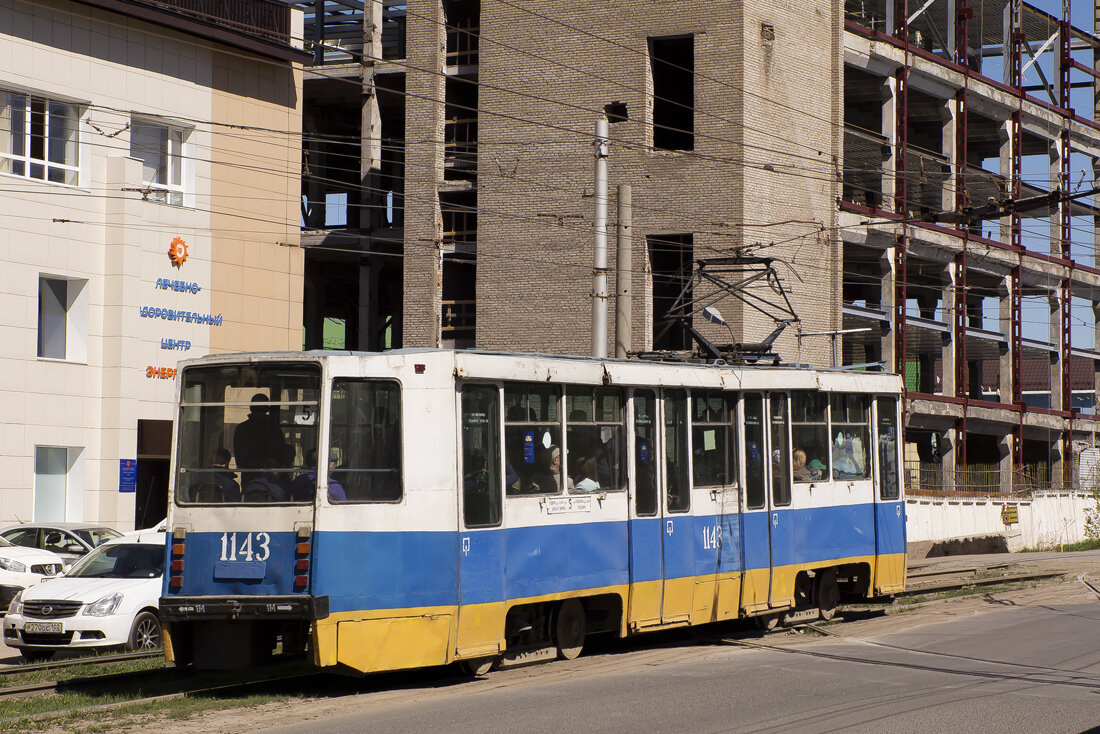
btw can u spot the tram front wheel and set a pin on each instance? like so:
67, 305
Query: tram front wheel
570, 629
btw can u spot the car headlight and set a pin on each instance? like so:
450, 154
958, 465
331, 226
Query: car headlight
105, 606
16, 605
11, 565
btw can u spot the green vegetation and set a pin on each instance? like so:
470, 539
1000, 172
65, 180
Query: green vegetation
1092, 519
122, 717
186, 694
89, 670
1091, 544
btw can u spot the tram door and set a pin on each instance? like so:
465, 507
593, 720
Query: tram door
678, 524
767, 526
480, 551
889, 505
781, 525
661, 582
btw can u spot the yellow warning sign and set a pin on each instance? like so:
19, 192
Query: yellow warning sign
1009, 515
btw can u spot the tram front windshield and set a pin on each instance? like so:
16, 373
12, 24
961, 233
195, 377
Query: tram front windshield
248, 434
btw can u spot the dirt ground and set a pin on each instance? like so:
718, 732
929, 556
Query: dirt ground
1079, 567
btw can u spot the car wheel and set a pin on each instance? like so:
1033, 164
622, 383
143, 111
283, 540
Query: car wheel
145, 634
34, 656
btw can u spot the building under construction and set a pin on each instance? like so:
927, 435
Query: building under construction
921, 176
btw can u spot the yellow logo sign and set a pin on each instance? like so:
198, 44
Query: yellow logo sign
177, 252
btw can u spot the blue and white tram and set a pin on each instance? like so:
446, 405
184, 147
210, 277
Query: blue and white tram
470, 506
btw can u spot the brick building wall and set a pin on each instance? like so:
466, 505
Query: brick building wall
757, 161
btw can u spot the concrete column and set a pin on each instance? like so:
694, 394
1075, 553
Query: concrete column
890, 132
370, 130
948, 350
888, 349
1005, 450
1096, 363
1004, 313
948, 451
368, 305
947, 145
424, 121
1005, 136
1054, 152
1055, 301
315, 194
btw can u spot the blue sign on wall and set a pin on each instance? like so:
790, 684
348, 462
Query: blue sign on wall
127, 475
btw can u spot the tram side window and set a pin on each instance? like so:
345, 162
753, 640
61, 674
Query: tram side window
713, 440
481, 503
677, 488
850, 430
810, 433
595, 438
645, 470
365, 442
753, 409
888, 448
781, 451
532, 439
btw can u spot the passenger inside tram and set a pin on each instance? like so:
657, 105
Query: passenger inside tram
586, 479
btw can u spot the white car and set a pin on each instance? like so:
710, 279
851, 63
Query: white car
109, 598
22, 567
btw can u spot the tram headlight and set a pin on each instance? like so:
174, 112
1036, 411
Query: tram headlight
16, 605
105, 606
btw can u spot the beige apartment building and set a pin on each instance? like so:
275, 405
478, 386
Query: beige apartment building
149, 158
922, 173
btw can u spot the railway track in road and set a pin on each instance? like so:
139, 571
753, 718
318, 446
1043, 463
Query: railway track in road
163, 684
174, 683
21, 668
973, 577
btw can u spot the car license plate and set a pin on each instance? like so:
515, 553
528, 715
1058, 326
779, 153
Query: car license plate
43, 628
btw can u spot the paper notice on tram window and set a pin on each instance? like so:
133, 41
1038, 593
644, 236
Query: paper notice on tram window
559, 505
708, 440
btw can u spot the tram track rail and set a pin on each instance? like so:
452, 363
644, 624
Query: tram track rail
108, 685
21, 668
975, 581
167, 684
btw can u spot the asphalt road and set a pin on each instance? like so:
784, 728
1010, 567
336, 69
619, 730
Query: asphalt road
1017, 669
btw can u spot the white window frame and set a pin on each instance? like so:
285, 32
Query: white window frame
74, 485
75, 308
176, 142
10, 160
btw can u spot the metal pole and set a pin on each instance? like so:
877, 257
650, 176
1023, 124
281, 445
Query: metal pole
623, 275
599, 272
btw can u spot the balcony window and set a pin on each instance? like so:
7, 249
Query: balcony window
160, 150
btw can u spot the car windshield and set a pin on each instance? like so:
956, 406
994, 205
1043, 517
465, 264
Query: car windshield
4, 543
97, 536
131, 561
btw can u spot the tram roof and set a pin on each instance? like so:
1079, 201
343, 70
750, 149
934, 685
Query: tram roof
623, 369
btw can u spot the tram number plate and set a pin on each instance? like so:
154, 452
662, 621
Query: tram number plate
44, 628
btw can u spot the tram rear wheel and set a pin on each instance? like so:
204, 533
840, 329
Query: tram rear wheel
477, 667
570, 629
826, 593
767, 622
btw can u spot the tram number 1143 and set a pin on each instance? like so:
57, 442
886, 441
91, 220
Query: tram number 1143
247, 550
712, 537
